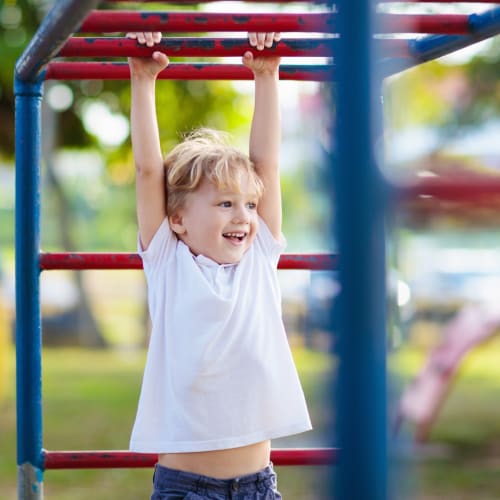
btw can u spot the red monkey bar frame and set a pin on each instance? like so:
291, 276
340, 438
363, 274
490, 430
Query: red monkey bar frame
187, 22
126, 459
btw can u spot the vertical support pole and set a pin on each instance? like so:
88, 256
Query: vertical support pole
361, 384
28, 97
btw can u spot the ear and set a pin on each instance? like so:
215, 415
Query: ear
176, 225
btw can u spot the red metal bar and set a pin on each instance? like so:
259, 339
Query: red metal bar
444, 24
324, 22
168, 22
191, 2
120, 71
63, 260
127, 459
214, 47
196, 2
193, 47
391, 1
466, 189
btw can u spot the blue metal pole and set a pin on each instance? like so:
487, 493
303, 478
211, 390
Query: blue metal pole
28, 97
361, 413
63, 19
427, 48
58, 25
484, 25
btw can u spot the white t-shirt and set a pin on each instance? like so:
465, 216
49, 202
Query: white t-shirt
219, 372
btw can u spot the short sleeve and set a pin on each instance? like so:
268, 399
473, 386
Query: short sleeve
271, 247
160, 248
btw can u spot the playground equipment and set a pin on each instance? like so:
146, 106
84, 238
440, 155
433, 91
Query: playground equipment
361, 197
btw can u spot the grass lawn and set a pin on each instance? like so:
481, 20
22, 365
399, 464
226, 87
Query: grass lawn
461, 460
90, 399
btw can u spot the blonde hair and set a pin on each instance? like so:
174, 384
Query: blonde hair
205, 154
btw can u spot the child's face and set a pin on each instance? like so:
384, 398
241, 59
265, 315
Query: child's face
219, 224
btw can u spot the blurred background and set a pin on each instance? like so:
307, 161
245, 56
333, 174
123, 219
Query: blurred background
442, 119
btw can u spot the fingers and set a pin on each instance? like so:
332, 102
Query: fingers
247, 59
146, 38
160, 58
263, 40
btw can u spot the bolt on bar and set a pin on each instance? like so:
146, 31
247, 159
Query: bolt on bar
59, 24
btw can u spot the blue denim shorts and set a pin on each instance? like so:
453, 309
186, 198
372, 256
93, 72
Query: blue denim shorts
170, 484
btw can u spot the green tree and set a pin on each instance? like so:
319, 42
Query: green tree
182, 106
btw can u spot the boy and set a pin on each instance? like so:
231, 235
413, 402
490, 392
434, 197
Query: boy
219, 381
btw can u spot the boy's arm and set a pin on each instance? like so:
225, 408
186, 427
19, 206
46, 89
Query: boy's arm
265, 135
150, 184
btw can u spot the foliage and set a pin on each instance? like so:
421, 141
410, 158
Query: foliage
186, 104
440, 94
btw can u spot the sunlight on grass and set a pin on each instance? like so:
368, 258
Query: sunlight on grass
90, 399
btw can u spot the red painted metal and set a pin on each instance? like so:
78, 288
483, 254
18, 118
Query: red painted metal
63, 260
321, 2
445, 24
464, 189
127, 459
215, 47
197, 2
120, 71
81, 260
168, 22
399, 1
323, 22
189, 47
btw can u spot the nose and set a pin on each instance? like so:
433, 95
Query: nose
240, 215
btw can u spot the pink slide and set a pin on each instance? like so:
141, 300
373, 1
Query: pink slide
423, 398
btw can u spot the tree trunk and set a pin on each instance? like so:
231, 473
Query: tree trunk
86, 331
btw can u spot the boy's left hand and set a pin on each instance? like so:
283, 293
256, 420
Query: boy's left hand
260, 41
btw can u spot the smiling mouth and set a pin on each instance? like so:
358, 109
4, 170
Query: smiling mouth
239, 237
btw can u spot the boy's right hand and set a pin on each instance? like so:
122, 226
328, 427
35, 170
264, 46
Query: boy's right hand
143, 66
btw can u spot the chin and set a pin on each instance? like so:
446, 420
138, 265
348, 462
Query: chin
233, 260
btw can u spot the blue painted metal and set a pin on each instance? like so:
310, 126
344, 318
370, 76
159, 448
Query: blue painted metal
28, 96
58, 25
361, 413
56, 28
483, 26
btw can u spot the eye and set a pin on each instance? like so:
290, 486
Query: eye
252, 205
225, 204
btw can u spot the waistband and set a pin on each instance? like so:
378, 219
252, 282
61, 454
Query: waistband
165, 477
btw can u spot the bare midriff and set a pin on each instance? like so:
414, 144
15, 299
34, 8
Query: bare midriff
221, 464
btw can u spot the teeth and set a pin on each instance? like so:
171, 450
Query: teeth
234, 235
